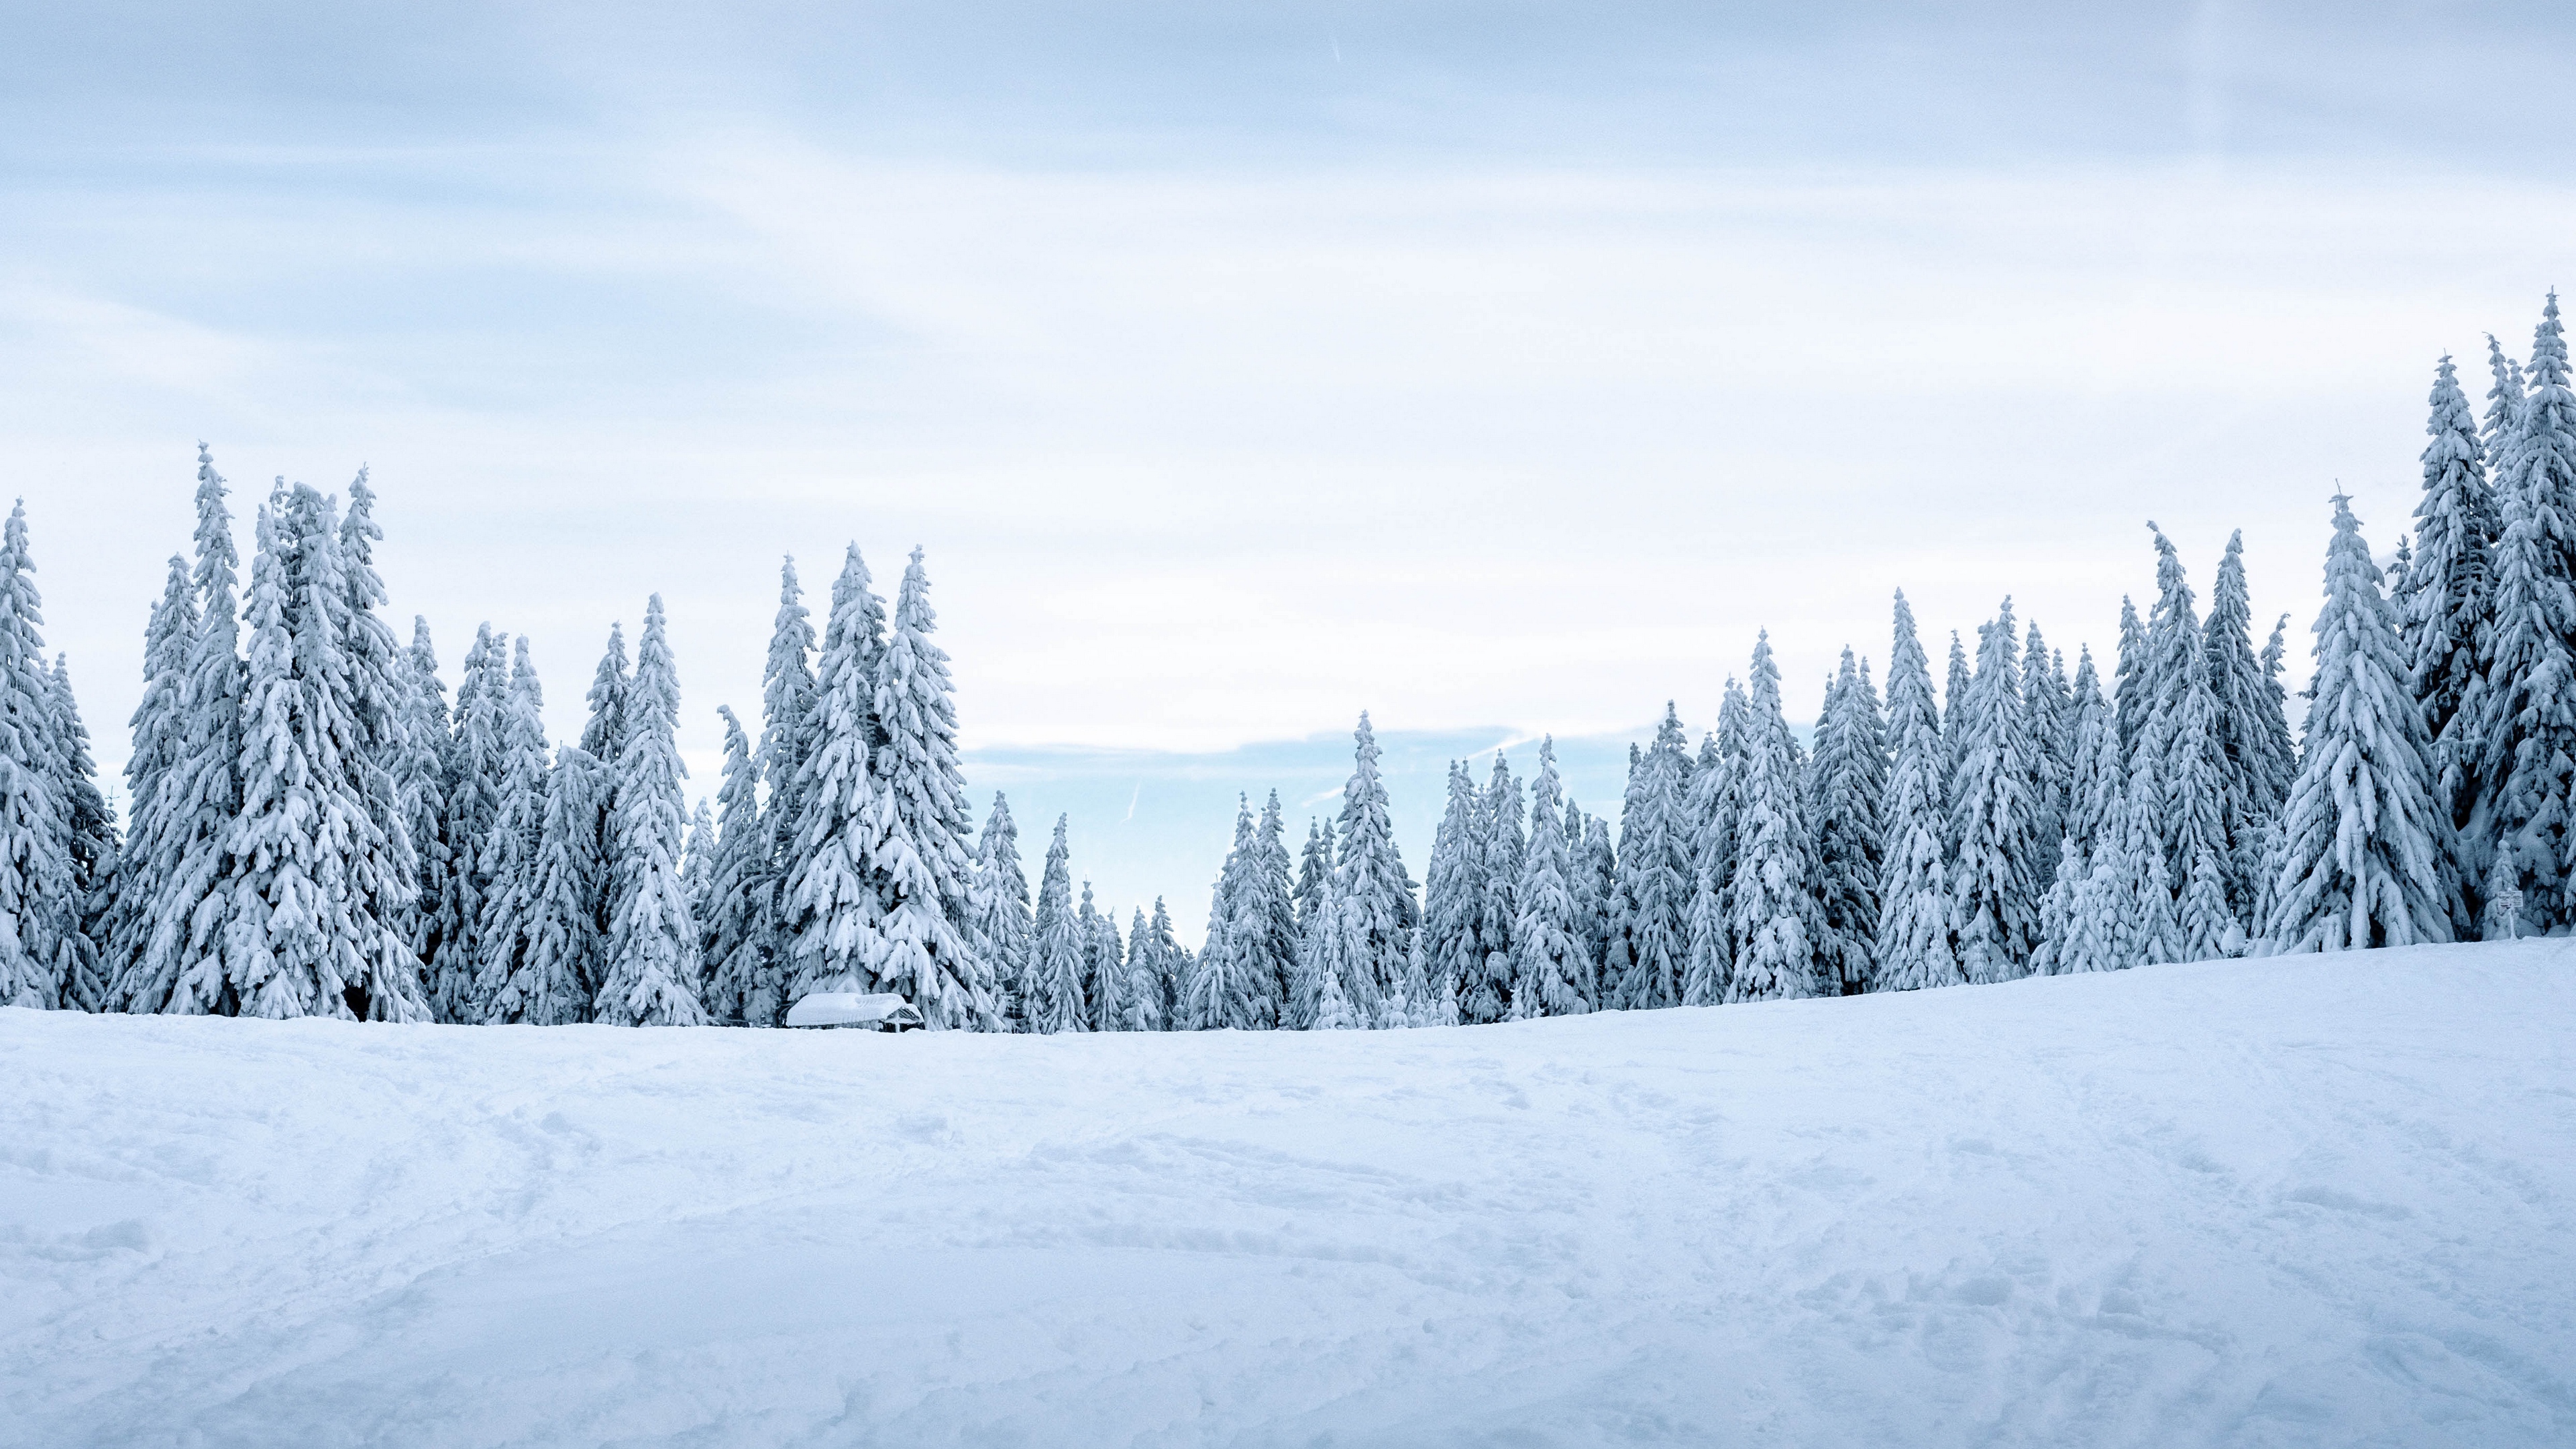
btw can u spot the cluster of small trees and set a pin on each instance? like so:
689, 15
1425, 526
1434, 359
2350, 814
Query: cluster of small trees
314, 830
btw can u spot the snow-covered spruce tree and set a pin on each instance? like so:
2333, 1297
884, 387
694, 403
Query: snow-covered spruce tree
1171, 964
1213, 996
2364, 837
2193, 818
921, 850
1712, 808
2098, 774
2450, 592
180, 969
2254, 743
510, 847
1997, 900
160, 725
2133, 694
832, 903
1453, 905
307, 867
1053, 1000
1917, 913
1551, 972
421, 780
603, 734
2504, 413
1848, 783
82, 981
1314, 863
652, 971
1597, 898
2529, 727
1104, 967
559, 973
1333, 1010
1954, 712
380, 687
36, 912
790, 724
743, 985
1273, 918
477, 780
1505, 849
1005, 929
1656, 874
1376, 899
1141, 996
2044, 709
1772, 901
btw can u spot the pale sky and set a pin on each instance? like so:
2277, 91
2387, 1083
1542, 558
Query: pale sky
1496, 368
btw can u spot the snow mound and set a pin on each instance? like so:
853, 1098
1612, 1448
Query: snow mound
2298, 1201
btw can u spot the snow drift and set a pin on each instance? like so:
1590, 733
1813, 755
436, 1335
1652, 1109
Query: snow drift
2297, 1201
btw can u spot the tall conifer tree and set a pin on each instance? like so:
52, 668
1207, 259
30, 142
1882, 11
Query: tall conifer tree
921, 847
652, 971
1917, 911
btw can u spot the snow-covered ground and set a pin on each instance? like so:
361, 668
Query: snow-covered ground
2308, 1201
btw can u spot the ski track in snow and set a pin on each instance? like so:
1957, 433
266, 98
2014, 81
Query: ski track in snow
2308, 1201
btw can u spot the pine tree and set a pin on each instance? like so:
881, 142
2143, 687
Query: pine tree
1772, 903
160, 725
1656, 874
1375, 899
2450, 591
507, 926
1005, 930
2254, 743
181, 969
1142, 994
743, 982
921, 845
652, 971
2044, 726
1452, 910
1954, 711
1171, 966
379, 686
1998, 902
559, 974
1504, 852
2504, 414
2365, 846
309, 870
1104, 970
833, 907
1712, 809
603, 737
421, 779
2529, 728
90, 838
2133, 694
38, 918
1551, 970
1272, 918
1596, 894
477, 783
1053, 1002
1917, 912
1850, 791
1314, 864
1333, 1010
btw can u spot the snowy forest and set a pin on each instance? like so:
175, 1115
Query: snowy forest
316, 827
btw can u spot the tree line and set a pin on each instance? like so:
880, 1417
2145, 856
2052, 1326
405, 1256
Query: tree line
316, 829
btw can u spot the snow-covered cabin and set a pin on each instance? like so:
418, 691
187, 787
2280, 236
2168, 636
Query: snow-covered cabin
879, 1011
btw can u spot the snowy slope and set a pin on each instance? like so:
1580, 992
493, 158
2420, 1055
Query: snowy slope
2310, 1201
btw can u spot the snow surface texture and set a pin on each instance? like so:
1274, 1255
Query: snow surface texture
2317, 1200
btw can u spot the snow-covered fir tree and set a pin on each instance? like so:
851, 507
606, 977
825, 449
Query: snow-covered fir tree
82, 982
2132, 687
477, 781
511, 846
1954, 710
152, 830
2364, 848
1656, 874
180, 969
1917, 920
2527, 772
380, 688
1052, 1000
1171, 965
2450, 589
1374, 896
1551, 970
603, 734
652, 970
921, 850
743, 983
1005, 928
1333, 1010
558, 975
1772, 902
832, 904
1104, 967
37, 917
1453, 905
307, 868
1141, 996
1504, 849
790, 725
1711, 808
1314, 864
1272, 914
1997, 898
2044, 727
428, 741
2255, 749
1849, 789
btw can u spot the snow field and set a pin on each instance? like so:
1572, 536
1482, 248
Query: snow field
2299, 1201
